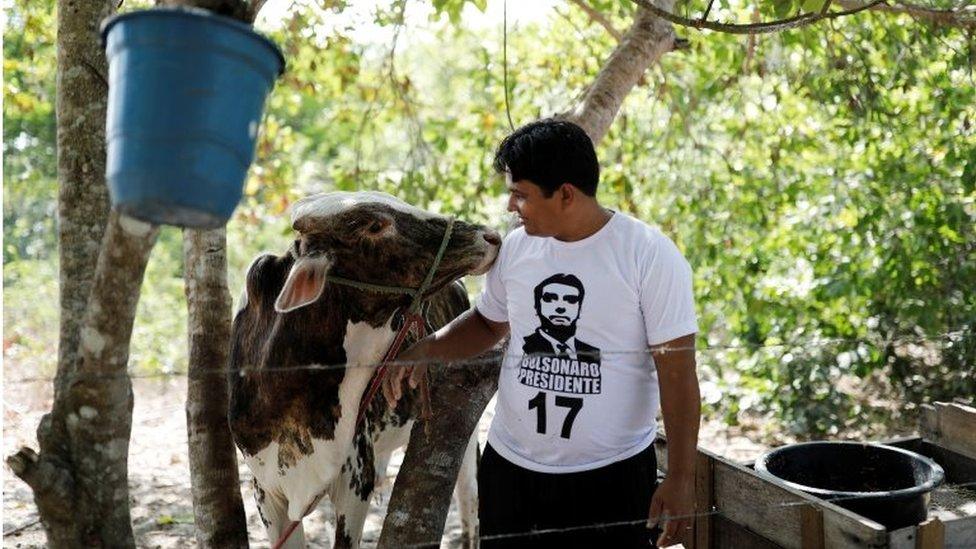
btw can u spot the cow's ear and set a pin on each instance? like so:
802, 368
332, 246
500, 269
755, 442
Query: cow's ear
305, 283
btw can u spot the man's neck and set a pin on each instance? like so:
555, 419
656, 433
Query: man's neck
585, 224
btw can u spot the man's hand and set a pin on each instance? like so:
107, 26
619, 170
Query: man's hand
464, 337
393, 384
675, 497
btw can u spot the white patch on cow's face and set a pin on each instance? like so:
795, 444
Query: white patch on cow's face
331, 204
301, 482
490, 250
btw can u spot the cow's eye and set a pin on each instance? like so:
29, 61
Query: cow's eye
376, 227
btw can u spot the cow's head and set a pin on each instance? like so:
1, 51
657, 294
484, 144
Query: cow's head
378, 239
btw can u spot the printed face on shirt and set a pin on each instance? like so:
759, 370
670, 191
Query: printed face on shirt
558, 301
560, 304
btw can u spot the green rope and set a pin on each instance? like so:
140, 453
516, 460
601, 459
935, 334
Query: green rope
415, 306
418, 293
371, 287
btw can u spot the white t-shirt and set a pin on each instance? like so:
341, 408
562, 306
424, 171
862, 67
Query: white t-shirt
578, 389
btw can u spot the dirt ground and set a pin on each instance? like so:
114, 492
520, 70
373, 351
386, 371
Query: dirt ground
159, 474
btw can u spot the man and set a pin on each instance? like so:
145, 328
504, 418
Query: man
569, 460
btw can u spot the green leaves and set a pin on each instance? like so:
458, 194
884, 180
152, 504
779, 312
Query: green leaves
821, 181
29, 159
454, 8
784, 8
812, 6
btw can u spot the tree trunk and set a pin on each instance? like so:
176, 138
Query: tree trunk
218, 511
436, 449
643, 45
422, 493
83, 204
80, 478
217, 507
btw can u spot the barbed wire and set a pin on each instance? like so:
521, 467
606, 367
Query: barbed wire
954, 336
601, 525
689, 516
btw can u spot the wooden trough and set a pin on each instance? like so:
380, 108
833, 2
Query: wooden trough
750, 511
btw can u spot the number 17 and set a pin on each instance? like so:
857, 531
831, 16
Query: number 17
538, 402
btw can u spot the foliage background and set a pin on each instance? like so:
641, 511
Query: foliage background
822, 183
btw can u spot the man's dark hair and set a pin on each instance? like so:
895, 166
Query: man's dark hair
564, 279
549, 153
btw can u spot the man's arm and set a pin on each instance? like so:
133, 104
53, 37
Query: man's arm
681, 407
464, 337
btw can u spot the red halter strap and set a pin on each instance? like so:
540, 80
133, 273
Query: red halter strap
411, 320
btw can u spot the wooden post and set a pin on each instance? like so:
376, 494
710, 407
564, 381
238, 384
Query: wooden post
931, 534
704, 503
811, 527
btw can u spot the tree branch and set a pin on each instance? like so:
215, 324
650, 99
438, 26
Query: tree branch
753, 28
599, 18
253, 9
645, 42
963, 16
54, 493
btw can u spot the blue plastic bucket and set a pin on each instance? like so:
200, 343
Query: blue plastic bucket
186, 93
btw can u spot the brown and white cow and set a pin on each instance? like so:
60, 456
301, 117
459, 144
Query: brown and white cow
292, 410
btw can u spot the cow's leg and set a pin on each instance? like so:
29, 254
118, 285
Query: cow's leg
351, 509
274, 514
351, 492
466, 493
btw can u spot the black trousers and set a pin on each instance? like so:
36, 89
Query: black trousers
516, 503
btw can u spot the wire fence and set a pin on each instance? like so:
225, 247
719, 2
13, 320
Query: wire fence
954, 488
684, 517
510, 360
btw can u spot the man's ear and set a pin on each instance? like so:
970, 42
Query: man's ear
567, 193
305, 283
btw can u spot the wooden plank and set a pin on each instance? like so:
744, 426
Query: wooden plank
757, 504
928, 421
957, 534
811, 527
952, 427
773, 511
903, 538
729, 535
843, 529
960, 533
704, 502
931, 535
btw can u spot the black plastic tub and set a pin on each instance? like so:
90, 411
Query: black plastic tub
886, 484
